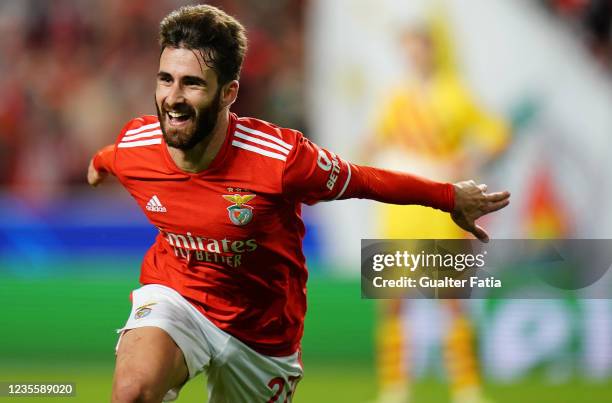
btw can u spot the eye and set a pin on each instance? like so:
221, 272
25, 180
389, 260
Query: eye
194, 83
164, 78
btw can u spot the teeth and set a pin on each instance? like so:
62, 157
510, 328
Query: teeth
176, 114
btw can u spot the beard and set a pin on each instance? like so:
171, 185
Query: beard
204, 121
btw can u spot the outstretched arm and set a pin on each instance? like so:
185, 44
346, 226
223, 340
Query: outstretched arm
313, 174
101, 165
466, 201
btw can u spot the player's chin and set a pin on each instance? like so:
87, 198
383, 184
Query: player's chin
179, 138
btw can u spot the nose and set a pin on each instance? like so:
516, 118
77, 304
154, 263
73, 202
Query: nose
175, 95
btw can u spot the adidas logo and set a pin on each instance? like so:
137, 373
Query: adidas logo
155, 205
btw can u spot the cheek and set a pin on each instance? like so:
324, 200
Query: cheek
161, 93
198, 102
158, 97
199, 99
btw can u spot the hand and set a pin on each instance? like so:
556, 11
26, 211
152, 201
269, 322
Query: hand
471, 203
95, 177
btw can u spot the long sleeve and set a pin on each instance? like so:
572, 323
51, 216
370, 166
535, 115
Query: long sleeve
395, 187
315, 174
104, 159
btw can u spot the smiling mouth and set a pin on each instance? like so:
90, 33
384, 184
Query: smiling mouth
178, 118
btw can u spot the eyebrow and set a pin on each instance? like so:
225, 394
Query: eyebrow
191, 79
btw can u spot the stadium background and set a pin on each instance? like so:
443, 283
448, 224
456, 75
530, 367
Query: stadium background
72, 72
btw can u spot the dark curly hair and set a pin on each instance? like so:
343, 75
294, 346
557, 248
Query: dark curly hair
219, 37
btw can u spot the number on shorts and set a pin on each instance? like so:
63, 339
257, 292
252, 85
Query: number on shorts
293, 381
280, 383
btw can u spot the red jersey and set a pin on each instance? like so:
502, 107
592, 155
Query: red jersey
230, 236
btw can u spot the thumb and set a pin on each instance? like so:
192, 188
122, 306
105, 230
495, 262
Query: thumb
480, 233
94, 177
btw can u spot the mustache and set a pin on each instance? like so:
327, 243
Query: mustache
179, 108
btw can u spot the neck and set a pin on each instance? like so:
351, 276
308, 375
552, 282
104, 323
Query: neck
202, 155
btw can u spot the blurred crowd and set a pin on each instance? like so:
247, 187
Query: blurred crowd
72, 73
592, 20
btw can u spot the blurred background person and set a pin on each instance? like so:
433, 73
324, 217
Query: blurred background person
431, 125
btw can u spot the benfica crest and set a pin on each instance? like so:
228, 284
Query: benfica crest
240, 213
143, 311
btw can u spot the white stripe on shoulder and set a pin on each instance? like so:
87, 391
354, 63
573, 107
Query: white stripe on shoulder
151, 133
348, 179
264, 135
261, 142
139, 143
258, 150
142, 128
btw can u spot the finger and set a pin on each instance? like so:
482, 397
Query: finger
94, 178
476, 230
480, 233
498, 196
94, 181
491, 207
91, 173
482, 187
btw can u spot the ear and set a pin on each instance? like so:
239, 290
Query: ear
229, 93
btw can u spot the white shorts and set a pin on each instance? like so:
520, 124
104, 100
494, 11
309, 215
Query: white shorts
236, 373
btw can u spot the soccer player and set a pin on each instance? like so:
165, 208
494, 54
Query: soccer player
432, 125
224, 285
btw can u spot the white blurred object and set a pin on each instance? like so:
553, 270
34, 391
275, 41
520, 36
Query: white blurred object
507, 50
